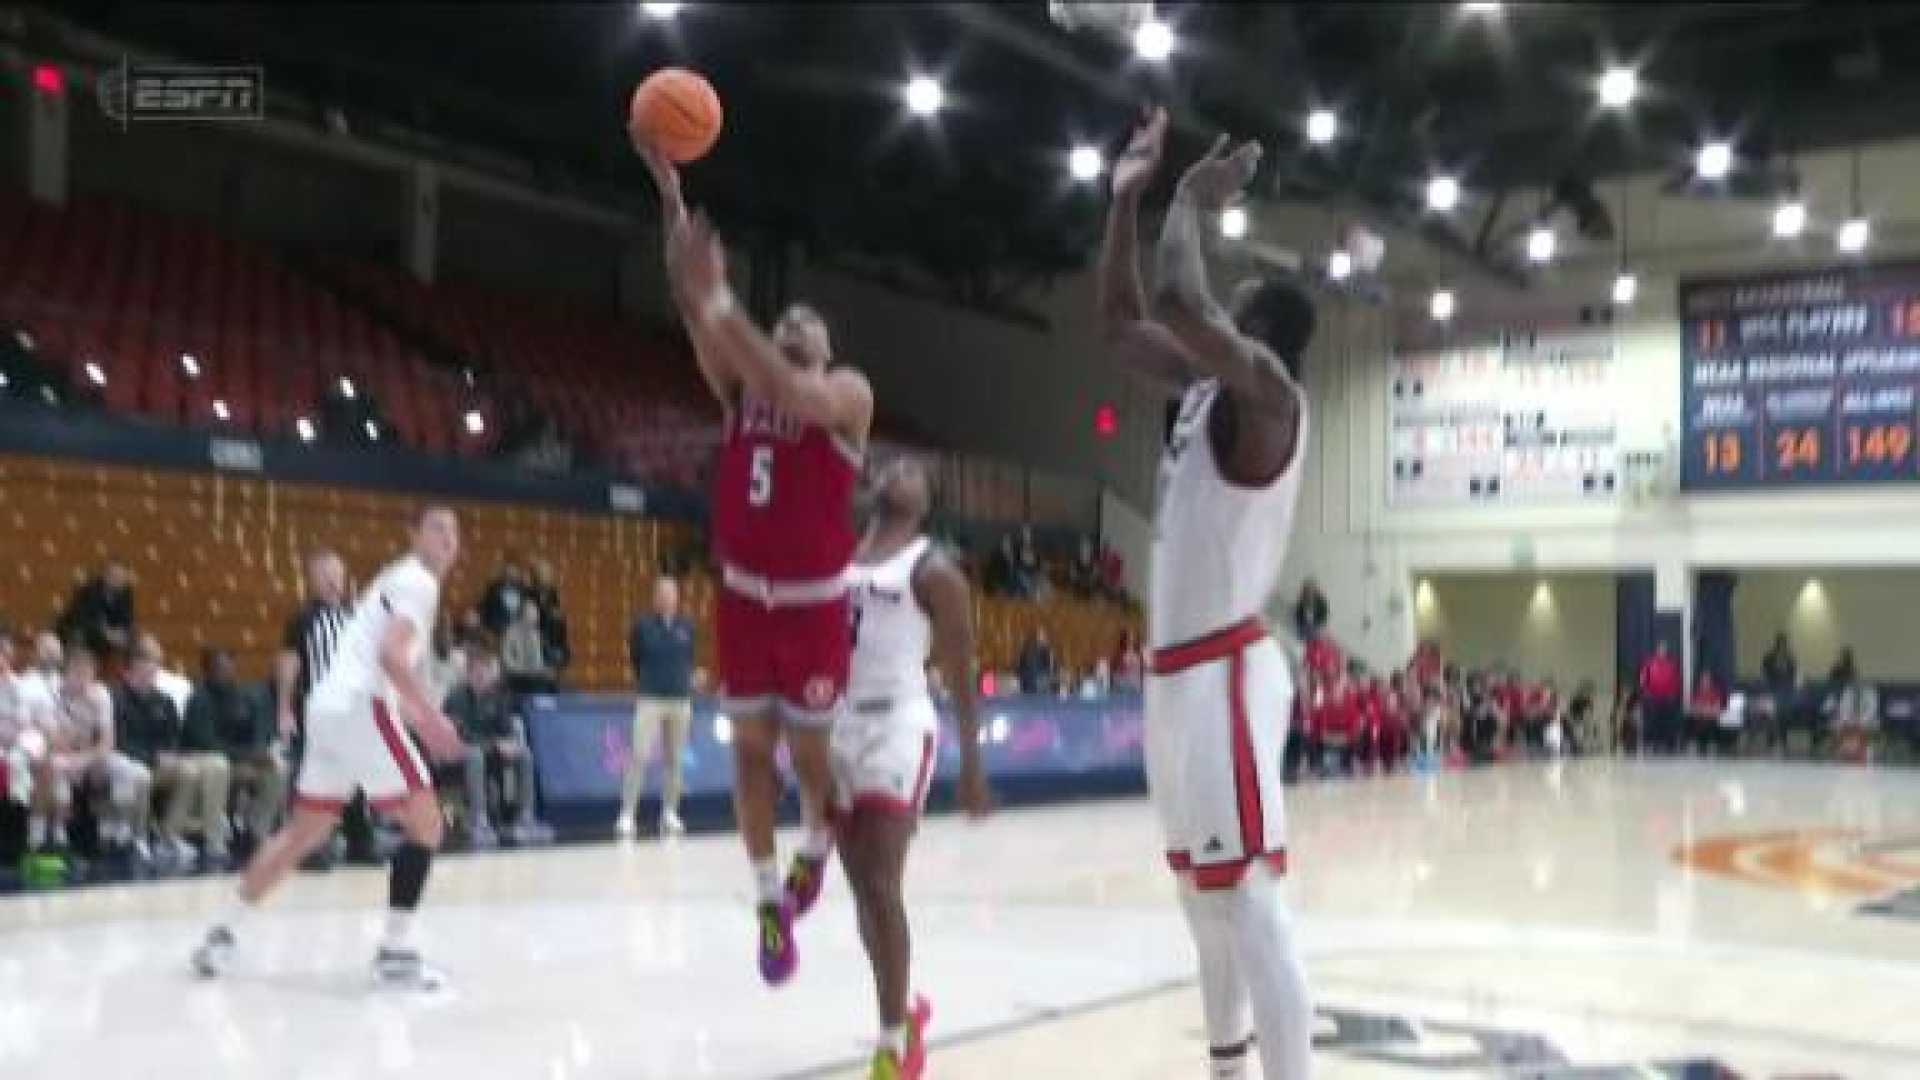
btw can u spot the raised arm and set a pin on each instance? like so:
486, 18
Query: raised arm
944, 592
673, 220
839, 399
1135, 339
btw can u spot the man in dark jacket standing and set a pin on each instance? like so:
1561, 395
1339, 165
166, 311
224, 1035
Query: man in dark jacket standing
661, 647
100, 613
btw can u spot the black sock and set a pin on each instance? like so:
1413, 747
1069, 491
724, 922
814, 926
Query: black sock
409, 876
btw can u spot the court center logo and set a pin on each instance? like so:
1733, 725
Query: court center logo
140, 92
1880, 872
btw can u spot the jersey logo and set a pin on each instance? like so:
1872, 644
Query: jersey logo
819, 692
386, 604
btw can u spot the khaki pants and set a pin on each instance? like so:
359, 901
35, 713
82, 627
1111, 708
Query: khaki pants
651, 718
264, 778
196, 786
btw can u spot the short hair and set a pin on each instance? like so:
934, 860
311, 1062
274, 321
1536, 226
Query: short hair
431, 509
1281, 315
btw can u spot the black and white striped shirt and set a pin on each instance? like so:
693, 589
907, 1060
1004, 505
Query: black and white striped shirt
313, 634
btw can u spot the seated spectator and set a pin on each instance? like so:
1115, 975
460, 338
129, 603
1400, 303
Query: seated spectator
1098, 682
1033, 576
505, 596
235, 723
1333, 722
83, 754
1310, 611
1369, 705
498, 760
100, 613
1129, 663
1539, 704
1003, 569
150, 732
1036, 664
1083, 574
42, 678
1483, 720
1113, 574
524, 654
1397, 712
22, 720
1704, 708
1579, 719
1427, 668
1855, 712
177, 687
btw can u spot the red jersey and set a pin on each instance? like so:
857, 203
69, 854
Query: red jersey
782, 499
1323, 657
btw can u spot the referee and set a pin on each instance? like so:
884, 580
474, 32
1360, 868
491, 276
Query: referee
305, 654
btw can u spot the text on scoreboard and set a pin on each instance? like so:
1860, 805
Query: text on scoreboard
1799, 380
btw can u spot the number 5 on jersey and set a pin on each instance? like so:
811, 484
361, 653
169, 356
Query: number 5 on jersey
760, 478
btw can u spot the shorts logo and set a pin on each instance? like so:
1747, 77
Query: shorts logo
819, 692
1213, 846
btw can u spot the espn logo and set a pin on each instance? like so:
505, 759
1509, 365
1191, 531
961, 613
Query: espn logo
182, 92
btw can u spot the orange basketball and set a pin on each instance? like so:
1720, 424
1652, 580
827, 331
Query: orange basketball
676, 111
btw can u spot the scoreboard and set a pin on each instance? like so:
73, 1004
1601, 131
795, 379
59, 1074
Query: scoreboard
1524, 418
1801, 380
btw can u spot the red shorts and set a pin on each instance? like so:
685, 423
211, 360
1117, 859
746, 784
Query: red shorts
795, 656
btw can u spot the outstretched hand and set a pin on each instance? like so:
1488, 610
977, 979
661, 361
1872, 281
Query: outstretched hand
666, 177
700, 258
1222, 173
1141, 159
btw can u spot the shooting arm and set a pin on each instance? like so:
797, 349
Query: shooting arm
1184, 303
1140, 343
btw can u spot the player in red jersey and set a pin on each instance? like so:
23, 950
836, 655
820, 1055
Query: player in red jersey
783, 536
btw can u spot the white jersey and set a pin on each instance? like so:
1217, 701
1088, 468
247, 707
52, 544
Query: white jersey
892, 635
405, 589
1217, 546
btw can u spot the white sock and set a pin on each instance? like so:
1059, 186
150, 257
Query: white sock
894, 1039
766, 880
818, 842
399, 933
236, 913
1276, 981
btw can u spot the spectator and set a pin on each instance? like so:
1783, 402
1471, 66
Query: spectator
545, 592
445, 664
1782, 672
21, 720
661, 647
100, 613
524, 654
42, 680
497, 757
1310, 611
1036, 663
1129, 663
1033, 577
1704, 710
1397, 712
1333, 721
234, 721
500, 607
1856, 711
26, 697
1660, 700
83, 752
1098, 682
1846, 671
177, 687
149, 728
1113, 574
1083, 574
1482, 720
1580, 716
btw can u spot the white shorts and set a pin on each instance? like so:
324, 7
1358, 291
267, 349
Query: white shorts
883, 760
359, 748
1217, 711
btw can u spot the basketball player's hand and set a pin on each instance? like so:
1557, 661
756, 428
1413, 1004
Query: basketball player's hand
1138, 162
701, 258
442, 738
1221, 174
666, 177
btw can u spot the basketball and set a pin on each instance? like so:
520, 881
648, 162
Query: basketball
676, 111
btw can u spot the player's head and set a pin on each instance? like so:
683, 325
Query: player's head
326, 576
436, 537
802, 335
1279, 314
904, 491
666, 596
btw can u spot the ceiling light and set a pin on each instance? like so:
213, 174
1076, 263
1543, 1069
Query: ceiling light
1154, 40
1853, 235
4, 381
1443, 193
1481, 8
660, 10
190, 365
1541, 243
1339, 266
304, 426
1625, 288
1233, 222
220, 410
924, 95
373, 430
346, 388
1085, 162
1441, 306
1322, 126
475, 422
94, 375
1714, 160
1789, 218
1618, 87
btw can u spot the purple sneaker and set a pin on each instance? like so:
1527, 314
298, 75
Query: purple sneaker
779, 956
805, 879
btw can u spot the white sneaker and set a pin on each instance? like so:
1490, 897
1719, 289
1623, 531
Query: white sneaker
623, 827
212, 957
671, 825
402, 969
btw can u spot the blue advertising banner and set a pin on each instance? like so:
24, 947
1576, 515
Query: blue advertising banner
581, 743
1801, 380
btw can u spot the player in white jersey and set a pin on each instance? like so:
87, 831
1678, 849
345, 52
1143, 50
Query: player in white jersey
1220, 692
355, 742
910, 602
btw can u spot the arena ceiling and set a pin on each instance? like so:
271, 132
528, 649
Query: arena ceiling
819, 148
